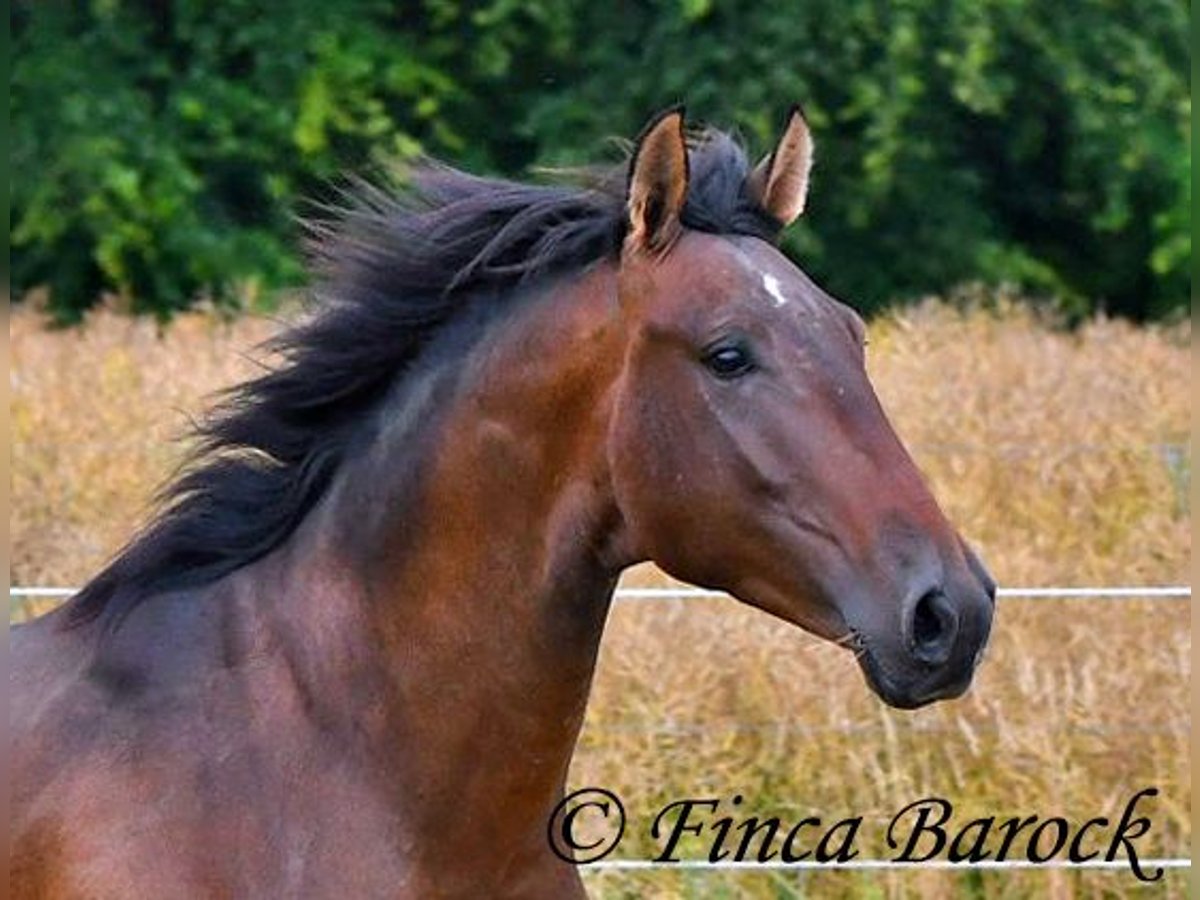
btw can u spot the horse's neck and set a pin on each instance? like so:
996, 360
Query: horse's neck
481, 584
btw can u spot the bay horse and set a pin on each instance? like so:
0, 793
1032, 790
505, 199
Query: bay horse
350, 656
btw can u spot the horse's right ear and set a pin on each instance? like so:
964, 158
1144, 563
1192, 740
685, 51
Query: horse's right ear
779, 183
658, 182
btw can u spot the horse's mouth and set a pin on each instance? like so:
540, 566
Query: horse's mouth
898, 694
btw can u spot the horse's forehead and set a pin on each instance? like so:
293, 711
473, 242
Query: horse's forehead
745, 269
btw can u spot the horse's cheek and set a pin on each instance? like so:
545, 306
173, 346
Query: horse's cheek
651, 482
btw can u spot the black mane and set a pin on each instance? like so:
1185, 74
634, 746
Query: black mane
391, 270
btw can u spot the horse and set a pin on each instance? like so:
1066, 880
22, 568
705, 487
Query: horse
351, 653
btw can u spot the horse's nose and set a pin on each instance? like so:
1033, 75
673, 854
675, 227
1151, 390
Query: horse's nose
931, 624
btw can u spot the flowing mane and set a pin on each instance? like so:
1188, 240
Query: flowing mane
391, 270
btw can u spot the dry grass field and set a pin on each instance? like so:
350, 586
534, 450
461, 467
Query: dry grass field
1060, 455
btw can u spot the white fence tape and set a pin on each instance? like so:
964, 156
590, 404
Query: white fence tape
1033, 593
1164, 592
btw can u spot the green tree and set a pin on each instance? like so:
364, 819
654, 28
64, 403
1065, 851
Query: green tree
161, 149
998, 140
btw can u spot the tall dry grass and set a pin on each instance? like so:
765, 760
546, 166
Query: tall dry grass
1057, 453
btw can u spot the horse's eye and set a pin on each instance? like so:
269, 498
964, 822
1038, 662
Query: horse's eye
729, 360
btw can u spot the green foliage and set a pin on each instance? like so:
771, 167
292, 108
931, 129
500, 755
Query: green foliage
1002, 140
165, 146
161, 150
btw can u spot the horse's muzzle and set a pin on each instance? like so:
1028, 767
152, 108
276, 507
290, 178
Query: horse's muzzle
942, 636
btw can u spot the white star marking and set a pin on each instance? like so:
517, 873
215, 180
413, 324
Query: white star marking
771, 283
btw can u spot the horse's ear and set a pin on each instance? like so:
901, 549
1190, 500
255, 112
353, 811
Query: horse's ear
780, 182
658, 182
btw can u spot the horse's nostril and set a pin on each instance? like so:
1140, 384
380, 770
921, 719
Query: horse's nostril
933, 627
927, 624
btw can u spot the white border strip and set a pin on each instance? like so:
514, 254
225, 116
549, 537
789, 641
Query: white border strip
641, 865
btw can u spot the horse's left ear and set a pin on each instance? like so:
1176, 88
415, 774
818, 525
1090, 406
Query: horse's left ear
780, 182
658, 182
